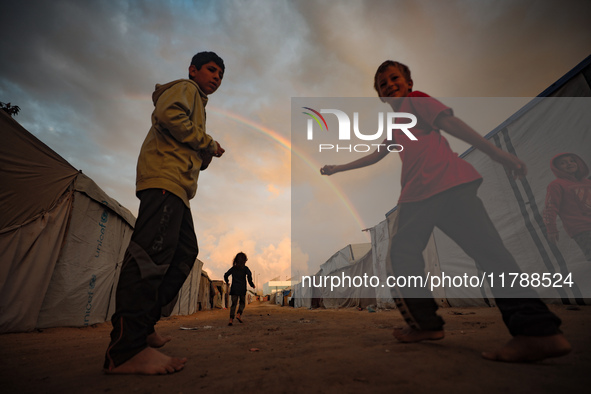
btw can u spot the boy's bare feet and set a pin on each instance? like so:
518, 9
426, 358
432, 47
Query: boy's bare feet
231, 321
149, 362
529, 349
238, 317
409, 334
156, 340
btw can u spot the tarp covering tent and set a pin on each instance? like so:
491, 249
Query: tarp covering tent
62, 239
187, 300
344, 257
205, 294
349, 256
353, 295
221, 296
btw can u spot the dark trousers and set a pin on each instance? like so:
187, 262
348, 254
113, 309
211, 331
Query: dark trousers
235, 299
160, 256
461, 215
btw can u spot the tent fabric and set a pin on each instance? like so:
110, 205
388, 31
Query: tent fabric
222, 295
83, 282
22, 176
351, 296
302, 296
204, 296
344, 257
186, 301
557, 121
62, 238
28, 257
341, 263
62, 241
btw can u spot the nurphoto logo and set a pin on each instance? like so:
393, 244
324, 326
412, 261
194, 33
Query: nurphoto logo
387, 122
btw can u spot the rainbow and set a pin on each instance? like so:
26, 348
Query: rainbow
286, 144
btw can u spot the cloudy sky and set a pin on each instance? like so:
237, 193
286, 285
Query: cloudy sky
83, 74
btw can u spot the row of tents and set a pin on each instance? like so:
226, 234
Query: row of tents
62, 241
558, 120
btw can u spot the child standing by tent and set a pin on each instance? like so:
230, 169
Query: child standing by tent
240, 273
163, 246
569, 196
439, 189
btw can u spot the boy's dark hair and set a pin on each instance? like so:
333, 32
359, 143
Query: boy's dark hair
202, 58
403, 68
240, 260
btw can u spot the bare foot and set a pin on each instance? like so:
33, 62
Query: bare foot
149, 362
409, 334
238, 317
156, 340
529, 349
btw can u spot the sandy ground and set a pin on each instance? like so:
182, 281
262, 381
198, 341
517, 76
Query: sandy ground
287, 350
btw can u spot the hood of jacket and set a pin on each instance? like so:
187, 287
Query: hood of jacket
159, 89
582, 169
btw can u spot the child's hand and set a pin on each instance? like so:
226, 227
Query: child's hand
328, 169
512, 163
220, 151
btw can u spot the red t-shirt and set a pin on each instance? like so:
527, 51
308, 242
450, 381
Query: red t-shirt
429, 166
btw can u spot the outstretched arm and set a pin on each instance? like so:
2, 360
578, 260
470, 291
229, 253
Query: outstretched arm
365, 161
456, 127
249, 277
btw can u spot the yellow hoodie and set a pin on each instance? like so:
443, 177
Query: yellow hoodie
170, 157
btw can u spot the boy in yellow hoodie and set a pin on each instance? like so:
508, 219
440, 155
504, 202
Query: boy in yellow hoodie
163, 246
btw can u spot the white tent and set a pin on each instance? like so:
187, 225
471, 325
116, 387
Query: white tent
352, 260
187, 300
62, 240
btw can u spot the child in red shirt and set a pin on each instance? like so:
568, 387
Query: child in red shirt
439, 189
569, 196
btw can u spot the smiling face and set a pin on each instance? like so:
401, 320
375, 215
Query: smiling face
567, 164
392, 83
208, 77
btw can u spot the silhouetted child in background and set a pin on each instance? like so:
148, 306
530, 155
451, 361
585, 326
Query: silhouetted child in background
439, 189
240, 274
569, 196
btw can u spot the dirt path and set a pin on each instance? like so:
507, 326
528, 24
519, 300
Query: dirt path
287, 350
